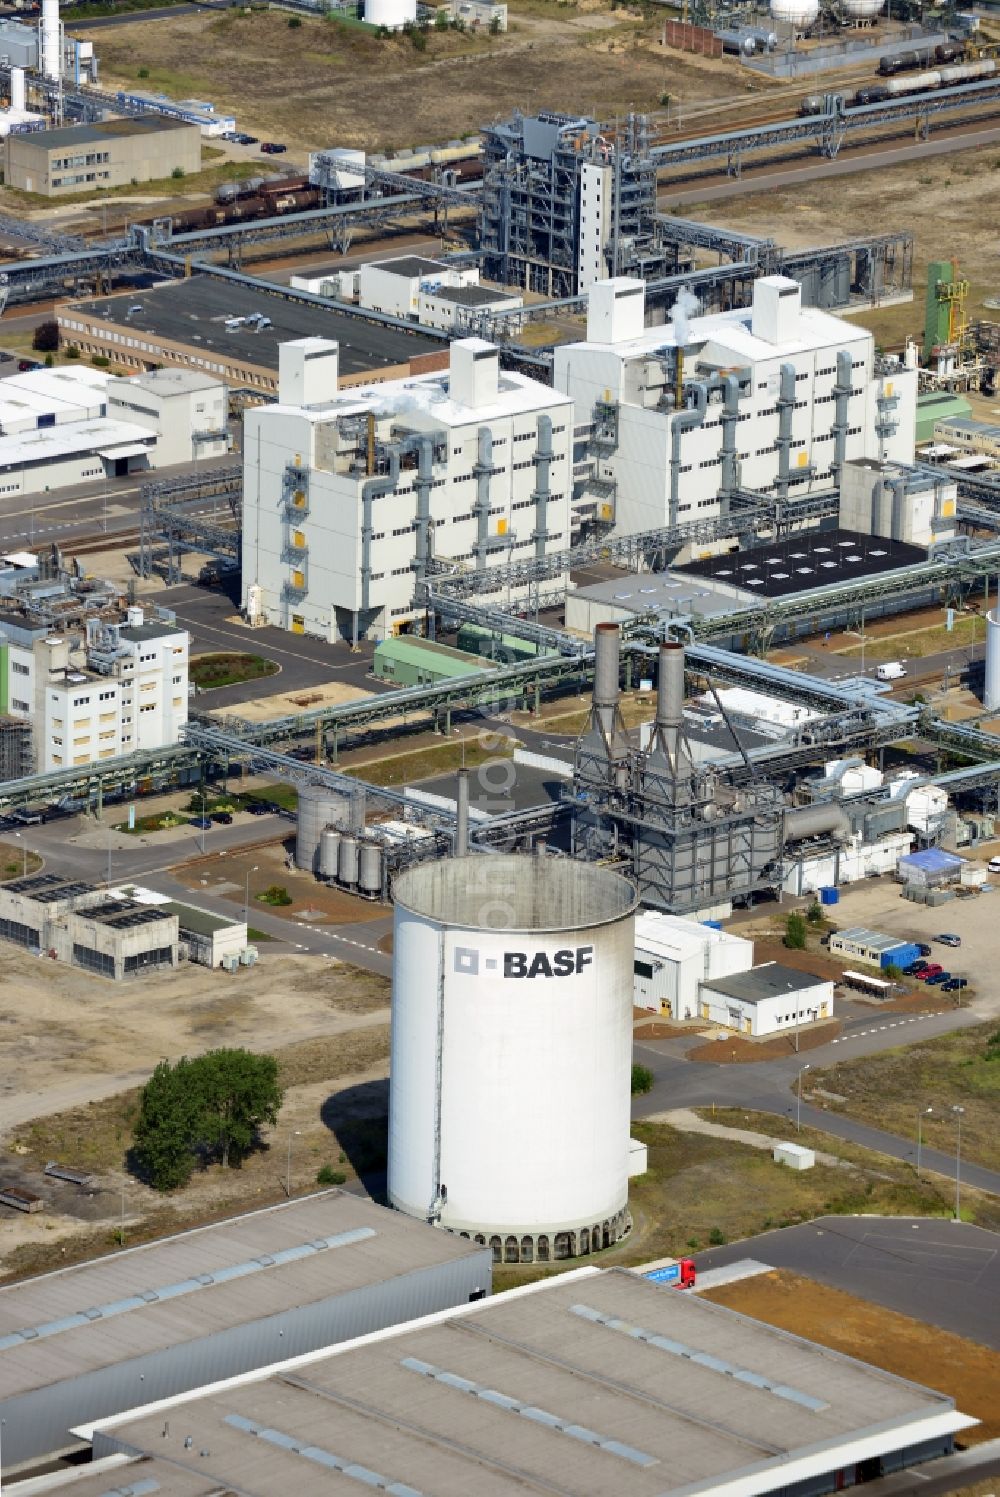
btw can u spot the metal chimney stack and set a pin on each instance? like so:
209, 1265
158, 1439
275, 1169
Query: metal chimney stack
668, 729
607, 664
462, 816
50, 58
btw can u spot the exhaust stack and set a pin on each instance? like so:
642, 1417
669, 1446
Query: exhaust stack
50, 51
605, 733
668, 742
462, 816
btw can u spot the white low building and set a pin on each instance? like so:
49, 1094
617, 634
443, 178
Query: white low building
121, 688
187, 410
905, 504
347, 496
60, 427
776, 398
847, 863
771, 999
394, 286
673, 955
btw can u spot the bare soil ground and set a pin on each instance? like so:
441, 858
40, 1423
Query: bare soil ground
736, 1047
945, 200
224, 875
327, 83
963, 1369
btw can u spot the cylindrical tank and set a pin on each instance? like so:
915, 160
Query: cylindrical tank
862, 10
329, 853
370, 869
991, 693
797, 13
318, 808
393, 14
347, 860
511, 1051
50, 58
17, 90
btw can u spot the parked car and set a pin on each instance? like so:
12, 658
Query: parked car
223, 818
273, 148
247, 140
201, 823
231, 135
955, 984
938, 979
923, 948
915, 968
27, 815
948, 939
993, 866
930, 970
261, 807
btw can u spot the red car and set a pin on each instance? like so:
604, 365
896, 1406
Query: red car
931, 970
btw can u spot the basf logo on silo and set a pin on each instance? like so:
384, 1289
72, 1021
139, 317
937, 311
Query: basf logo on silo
562, 963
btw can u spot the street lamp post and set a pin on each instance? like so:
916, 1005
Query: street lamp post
923, 1113
798, 1098
246, 893
288, 1163
24, 854
959, 1114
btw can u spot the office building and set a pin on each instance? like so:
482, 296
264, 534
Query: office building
110, 153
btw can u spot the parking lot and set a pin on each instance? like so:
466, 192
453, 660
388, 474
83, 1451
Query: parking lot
879, 905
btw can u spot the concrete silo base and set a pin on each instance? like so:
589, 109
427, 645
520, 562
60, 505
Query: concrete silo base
552, 1247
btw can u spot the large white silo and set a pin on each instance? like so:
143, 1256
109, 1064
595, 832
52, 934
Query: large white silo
51, 47
991, 689
392, 14
797, 14
511, 1052
862, 10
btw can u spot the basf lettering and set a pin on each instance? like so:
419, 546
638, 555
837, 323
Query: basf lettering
540, 964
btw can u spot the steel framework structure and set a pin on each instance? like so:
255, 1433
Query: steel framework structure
197, 512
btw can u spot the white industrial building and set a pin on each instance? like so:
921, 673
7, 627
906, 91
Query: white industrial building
674, 955
120, 688
847, 862
775, 398
432, 293
66, 426
905, 504
188, 411
394, 286
770, 999
348, 495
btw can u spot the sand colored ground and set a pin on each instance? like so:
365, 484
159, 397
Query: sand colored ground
963, 1369
287, 704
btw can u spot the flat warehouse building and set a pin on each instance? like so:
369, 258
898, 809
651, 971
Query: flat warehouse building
588, 1384
102, 1337
233, 332
111, 153
769, 999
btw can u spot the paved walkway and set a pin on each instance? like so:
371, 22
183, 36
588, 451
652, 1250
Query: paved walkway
689, 1122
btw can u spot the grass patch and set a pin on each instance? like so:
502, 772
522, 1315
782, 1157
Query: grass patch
285, 796
255, 936
199, 183
915, 644
229, 669
17, 861
889, 1089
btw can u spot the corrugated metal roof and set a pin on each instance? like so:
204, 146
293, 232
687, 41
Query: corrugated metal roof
430, 655
183, 1288
541, 1391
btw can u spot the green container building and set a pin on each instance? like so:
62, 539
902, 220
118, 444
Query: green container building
410, 661
938, 405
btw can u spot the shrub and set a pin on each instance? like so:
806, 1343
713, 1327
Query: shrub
814, 913
716, 1237
177, 173
143, 73
45, 338
327, 1175
294, 22
275, 894
99, 360
642, 1080
72, 352
795, 933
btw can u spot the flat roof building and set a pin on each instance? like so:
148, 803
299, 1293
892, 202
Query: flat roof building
233, 332
110, 153
152, 1321
589, 1383
766, 1000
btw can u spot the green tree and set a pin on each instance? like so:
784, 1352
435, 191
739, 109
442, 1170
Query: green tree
209, 1108
795, 932
642, 1080
238, 1094
163, 1142
814, 913
45, 338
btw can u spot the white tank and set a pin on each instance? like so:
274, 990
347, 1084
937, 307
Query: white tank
329, 853
370, 869
393, 14
50, 50
347, 861
18, 99
796, 13
318, 808
511, 1052
991, 692
862, 10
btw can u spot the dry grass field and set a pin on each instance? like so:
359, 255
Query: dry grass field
325, 82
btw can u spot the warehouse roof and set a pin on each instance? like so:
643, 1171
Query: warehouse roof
200, 922
184, 1288
804, 560
195, 312
107, 438
408, 265
589, 1383
772, 980
101, 132
473, 296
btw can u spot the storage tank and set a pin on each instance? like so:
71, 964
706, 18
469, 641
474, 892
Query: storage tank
511, 1052
991, 691
347, 861
392, 14
862, 10
319, 807
329, 853
796, 13
370, 870
51, 48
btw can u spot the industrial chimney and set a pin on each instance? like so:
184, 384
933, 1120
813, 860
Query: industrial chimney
668, 744
50, 51
605, 732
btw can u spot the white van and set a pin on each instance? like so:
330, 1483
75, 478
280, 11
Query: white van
892, 670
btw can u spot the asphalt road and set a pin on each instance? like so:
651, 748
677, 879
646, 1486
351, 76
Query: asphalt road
945, 1273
